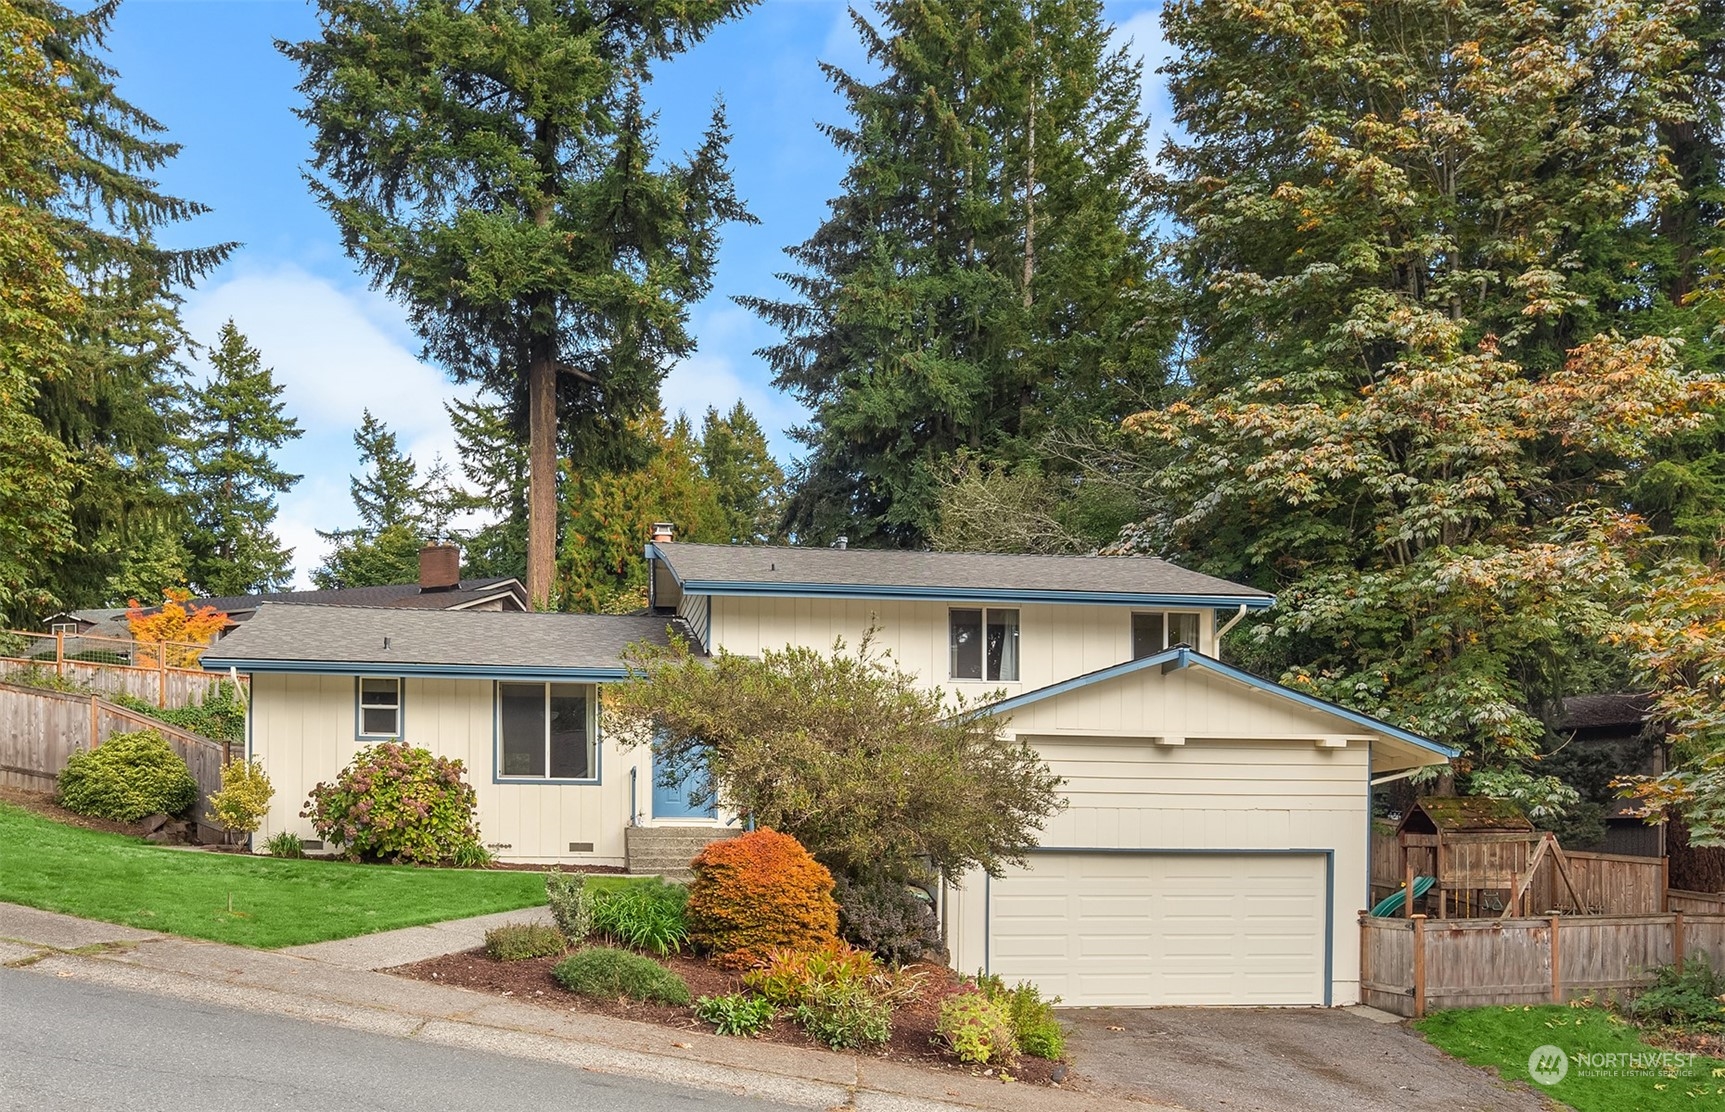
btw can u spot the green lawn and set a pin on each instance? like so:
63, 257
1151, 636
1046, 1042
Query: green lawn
1504, 1038
116, 879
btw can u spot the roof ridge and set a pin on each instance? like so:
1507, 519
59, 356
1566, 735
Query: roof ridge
924, 552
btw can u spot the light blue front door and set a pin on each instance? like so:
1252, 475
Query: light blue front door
674, 802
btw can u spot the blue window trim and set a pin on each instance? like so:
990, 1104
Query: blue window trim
497, 776
1175, 659
954, 594
359, 733
1329, 856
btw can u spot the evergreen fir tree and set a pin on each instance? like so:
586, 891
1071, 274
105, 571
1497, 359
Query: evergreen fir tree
986, 277
227, 478
750, 484
492, 165
399, 513
41, 305
494, 465
112, 404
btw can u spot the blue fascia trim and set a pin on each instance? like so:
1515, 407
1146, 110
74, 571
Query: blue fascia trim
1175, 659
971, 594
433, 671
950, 594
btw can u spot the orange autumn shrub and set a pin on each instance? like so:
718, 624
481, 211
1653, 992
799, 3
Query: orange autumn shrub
182, 633
759, 893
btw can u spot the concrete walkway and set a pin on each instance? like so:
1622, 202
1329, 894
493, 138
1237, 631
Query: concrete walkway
343, 992
410, 944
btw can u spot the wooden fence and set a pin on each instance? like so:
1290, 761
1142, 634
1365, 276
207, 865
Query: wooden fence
1607, 883
165, 674
1696, 903
40, 730
1412, 966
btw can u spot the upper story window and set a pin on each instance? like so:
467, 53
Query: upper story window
545, 731
379, 707
983, 644
1152, 633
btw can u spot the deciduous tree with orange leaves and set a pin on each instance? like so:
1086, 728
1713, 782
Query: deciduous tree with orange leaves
173, 631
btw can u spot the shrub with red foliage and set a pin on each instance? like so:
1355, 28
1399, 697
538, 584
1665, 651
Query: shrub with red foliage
758, 893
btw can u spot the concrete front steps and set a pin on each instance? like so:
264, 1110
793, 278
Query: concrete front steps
667, 850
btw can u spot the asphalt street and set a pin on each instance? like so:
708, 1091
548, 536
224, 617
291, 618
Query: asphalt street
69, 1045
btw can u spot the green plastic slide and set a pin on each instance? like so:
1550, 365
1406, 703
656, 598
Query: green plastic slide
1392, 903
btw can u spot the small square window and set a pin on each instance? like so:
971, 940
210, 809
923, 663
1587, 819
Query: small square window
1153, 633
983, 644
379, 708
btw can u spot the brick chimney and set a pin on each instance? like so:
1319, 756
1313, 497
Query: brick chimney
663, 531
439, 567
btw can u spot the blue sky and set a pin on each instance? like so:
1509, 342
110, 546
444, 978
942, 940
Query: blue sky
207, 69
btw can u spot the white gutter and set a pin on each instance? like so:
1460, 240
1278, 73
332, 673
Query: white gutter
1239, 615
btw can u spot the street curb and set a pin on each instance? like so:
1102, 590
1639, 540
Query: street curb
452, 1016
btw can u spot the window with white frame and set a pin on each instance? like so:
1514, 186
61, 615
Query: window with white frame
545, 731
378, 709
983, 643
1153, 633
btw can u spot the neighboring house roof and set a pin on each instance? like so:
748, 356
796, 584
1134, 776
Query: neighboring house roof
355, 640
1178, 658
471, 592
723, 569
1601, 712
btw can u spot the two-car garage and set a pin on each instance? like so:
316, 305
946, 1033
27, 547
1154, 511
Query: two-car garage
1164, 928
1213, 847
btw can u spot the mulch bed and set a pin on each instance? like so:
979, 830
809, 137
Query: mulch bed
913, 1037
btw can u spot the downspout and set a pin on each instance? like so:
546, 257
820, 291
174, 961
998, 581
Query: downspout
1239, 615
1380, 781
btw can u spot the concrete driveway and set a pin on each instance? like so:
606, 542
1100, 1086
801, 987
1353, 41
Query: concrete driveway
1277, 1060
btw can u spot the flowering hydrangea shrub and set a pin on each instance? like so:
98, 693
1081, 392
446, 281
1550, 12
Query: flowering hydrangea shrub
398, 803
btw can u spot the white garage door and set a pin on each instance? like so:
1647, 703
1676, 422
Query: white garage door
1136, 929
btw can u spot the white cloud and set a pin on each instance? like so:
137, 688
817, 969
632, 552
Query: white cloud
337, 352
715, 376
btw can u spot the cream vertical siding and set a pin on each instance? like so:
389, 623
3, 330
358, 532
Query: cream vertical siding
1057, 641
303, 730
1128, 793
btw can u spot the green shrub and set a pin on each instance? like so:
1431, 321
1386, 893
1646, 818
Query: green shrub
471, 855
127, 777
1034, 1027
845, 1016
606, 974
647, 915
395, 802
220, 717
978, 1029
757, 893
35, 675
1694, 998
571, 905
736, 1013
244, 799
520, 941
285, 844
887, 917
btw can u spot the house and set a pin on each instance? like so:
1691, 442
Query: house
1214, 846
439, 587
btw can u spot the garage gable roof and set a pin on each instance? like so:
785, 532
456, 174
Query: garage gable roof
1177, 658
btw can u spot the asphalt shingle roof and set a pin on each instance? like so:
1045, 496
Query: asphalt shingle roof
507, 641
959, 572
390, 594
